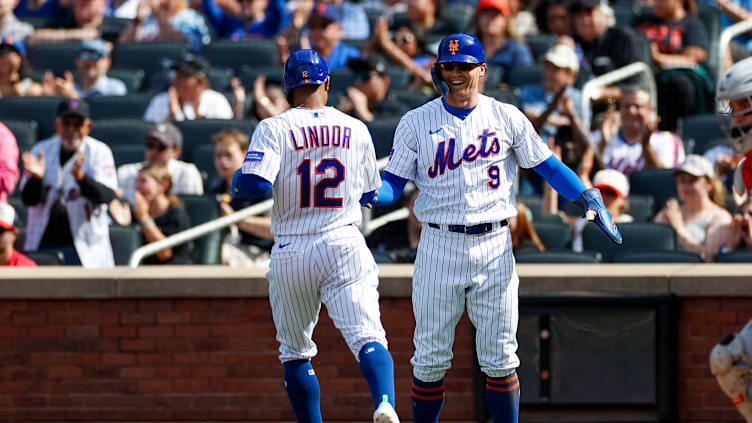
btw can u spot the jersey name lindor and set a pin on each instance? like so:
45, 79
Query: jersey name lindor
321, 136
445, 154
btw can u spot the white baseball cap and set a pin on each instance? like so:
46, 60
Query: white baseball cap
563, 56
612, 179
7, 216
697, 165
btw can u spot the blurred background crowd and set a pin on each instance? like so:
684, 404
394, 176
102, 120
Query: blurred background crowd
124, 120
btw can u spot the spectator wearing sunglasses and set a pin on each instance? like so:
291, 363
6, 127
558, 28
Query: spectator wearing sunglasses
163, 146
93, 62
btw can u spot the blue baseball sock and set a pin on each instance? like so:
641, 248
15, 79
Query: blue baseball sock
503, 398
303, 390
428, 399
378, 369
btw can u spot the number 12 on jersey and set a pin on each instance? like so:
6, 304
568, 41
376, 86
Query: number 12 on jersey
319, 190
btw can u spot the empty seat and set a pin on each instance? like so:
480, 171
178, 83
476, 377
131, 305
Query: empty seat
203, 157
738, 256
125, 240
524, 75
236, 54
57, 57
42, 110
555, 257
641, 207
25, 132
199, 132
129, 106
658, 183
539, 44
636, 237
555, 236
203, 209
45, 258
127, 153
132, 78
151, 57
121, 131
700, 132
382, 133
656, 257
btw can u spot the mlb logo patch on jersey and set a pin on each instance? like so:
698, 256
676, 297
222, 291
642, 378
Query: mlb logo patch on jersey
254, 156
318, 114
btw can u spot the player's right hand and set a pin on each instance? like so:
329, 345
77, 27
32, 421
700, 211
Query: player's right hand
595, 210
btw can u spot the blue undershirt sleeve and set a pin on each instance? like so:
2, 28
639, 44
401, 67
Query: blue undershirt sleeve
561, 178
390, 190
249, 186
367, 197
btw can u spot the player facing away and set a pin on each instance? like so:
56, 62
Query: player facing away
462, 150
320, 165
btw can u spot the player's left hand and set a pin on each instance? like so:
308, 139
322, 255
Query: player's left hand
595, 210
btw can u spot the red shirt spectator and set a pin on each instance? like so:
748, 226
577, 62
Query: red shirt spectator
8, 163
8, 255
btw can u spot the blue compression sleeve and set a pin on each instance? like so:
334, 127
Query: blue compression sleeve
391, 189
367, 197
249, 186
562, 178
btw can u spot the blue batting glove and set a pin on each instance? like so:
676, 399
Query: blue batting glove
595, 210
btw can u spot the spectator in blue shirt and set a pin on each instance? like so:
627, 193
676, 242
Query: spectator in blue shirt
326, 35
498, 39
258, 19
354, 20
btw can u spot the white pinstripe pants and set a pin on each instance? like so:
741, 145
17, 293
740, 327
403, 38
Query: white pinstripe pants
454, 271
336, 269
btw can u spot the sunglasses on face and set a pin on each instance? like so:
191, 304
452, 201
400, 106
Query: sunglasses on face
404, 38
89, 55
72, 123
464, 67
152, 145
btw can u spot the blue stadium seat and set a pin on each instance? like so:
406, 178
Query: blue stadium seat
129, 106
40, 109
25, 132
656, 257
555, 236
636, 237
524, 75
534, 203
199, 132
658, 183
45, 258
641, 207
203, 157
132, 78
738, 256
236, 54
539, 44
125, 240
21, 211
152, 57
121, 131
57, 57
562, 256
700, 132
127, 153
201, 209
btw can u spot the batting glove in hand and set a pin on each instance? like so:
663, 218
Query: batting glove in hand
595, 210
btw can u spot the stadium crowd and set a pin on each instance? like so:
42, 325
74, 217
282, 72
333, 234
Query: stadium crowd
124, 120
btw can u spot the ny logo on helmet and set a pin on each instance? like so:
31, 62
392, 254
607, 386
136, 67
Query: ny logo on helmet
454, 45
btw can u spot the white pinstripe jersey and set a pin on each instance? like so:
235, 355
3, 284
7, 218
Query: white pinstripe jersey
465, 168
320, 163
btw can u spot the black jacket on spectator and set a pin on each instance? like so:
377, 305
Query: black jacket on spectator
615, 48
174, 220
673, 37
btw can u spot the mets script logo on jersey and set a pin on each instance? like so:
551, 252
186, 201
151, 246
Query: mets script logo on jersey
254, 156
454, 45
445, 153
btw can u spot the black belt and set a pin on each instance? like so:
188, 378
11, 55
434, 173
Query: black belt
471, 230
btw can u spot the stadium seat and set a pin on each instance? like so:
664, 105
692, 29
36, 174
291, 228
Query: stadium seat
25, 132
127, 153
413, 99
199, 132
45, 258
539, 44
399, 77
249, 74
125, 240
710, 15
132, 78
636, 237
534, 203
505, 96
38, 21
738, 256
57, 57
20, 207
129, 106
658, 183
641, 207
40, 109
524, 75
624, 14
562, 256
203, 157
494, 76
458, 15
382, 133
219, 80
152, 57
20, 239
700, 132
555, 236
121, 131
203, 209
236, 54
656, 257
341, 79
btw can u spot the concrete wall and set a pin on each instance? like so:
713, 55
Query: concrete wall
197, 343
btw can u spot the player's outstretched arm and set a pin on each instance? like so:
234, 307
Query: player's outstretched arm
248, 186
566, 183
390, 190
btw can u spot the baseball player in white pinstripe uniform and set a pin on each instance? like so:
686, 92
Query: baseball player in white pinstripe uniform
462, 150
321, 164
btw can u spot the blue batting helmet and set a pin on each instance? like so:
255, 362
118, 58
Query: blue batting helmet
461, 47
304, 67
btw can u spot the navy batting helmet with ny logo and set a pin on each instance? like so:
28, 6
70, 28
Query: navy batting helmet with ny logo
460, 47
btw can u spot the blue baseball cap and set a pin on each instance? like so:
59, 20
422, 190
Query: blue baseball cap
332, 12
96, 45
15, 45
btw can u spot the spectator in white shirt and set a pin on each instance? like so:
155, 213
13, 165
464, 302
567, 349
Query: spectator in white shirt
189, 96
635, 144
163, 146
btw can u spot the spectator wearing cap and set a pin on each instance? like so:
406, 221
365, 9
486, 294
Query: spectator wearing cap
10, 26
501, 44
368, 98
93, 62
85, 23
257, 19
67, 183
163, 146
552, 103
14, 78
189, 96
700, 221
9, 256
167, 20
8, 163
629, 141
325, 26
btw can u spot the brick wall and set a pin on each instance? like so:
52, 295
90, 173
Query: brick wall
193, 359
188, 360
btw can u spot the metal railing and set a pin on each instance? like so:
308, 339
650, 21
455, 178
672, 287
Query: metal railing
610, 78
726, 36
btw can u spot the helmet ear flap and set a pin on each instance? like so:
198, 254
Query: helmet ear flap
439, 83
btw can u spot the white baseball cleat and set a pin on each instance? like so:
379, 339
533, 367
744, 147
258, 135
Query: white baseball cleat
385, 413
